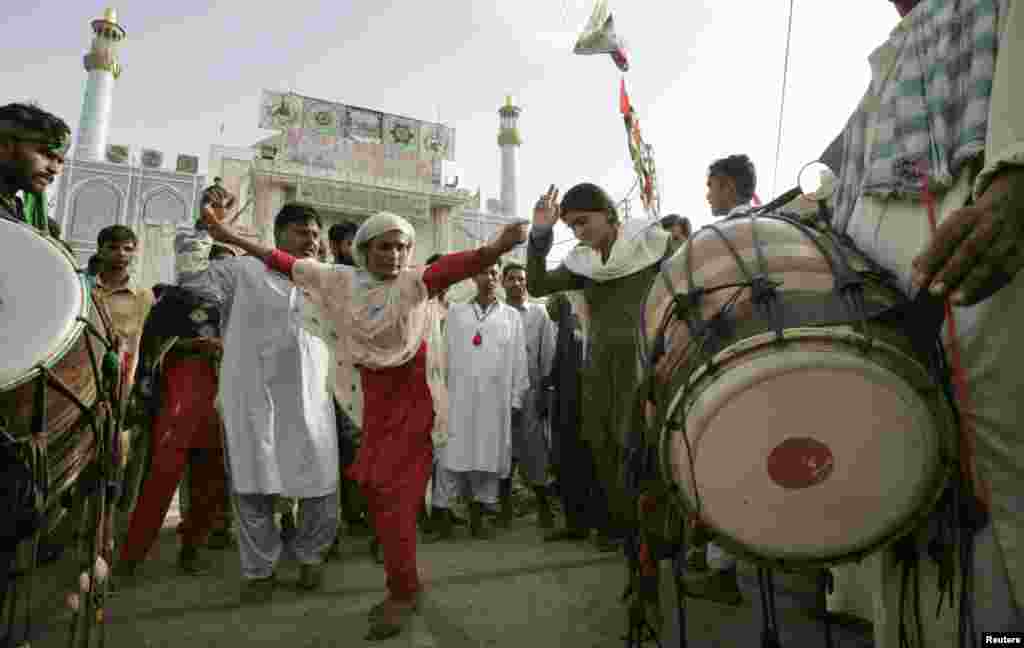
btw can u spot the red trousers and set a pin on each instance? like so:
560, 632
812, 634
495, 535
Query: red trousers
394, 463
186, 421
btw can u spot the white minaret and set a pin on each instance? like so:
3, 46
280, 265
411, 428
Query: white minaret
103, 68
508, 141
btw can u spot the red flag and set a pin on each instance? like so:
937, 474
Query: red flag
624, 106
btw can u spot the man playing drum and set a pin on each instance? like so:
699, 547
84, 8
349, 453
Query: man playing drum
33, 144
947, 215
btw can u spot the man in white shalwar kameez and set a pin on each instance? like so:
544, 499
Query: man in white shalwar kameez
531, 436
487, 379
279, 419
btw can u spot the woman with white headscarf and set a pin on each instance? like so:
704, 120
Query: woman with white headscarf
381, 312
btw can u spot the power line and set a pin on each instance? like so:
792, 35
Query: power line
782, 101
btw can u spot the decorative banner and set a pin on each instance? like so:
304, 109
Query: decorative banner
280, 111
599, 37
364, 126
402, 133
335, 137
435, 142
641, 153
322, 118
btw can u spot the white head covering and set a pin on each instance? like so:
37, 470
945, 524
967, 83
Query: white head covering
387, 320
374, 226
640, 244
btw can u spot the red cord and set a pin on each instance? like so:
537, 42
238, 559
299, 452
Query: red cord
968, 434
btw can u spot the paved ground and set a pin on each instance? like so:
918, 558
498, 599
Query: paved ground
512, 591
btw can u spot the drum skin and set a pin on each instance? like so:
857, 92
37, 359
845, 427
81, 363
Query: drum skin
809, 451
67, 436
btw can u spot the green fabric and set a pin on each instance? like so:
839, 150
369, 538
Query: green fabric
613, 371
34, 210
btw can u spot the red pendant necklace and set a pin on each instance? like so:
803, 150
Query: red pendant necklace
478, 339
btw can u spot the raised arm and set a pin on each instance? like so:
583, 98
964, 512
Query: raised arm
453, 268
539, 280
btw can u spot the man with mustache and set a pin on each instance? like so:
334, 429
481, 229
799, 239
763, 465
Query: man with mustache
280, 430
487, 379
33, 144
530, 449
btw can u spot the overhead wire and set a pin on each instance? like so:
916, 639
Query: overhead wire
782, 100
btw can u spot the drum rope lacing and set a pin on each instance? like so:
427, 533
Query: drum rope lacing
848, 284
38, 461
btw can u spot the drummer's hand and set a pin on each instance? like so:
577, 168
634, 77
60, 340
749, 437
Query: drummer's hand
215, 218
545, 211
978, 249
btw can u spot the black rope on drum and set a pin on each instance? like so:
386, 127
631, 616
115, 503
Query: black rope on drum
763, 290
769, 620
678, 566
827, 586
966, 519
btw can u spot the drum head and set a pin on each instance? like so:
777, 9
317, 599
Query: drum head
41, 295
808, 456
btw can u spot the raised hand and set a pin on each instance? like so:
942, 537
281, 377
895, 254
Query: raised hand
545, 211
511, 235
214, 217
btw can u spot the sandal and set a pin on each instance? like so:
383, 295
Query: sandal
378, 608
391, 620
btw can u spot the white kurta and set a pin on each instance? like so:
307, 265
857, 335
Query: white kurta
278, 416
485, 383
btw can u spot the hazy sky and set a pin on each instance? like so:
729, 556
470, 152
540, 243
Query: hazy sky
705, 78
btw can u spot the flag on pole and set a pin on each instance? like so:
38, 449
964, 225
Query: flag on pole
624, 106
640, 152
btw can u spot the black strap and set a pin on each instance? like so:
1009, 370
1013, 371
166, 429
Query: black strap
769, 620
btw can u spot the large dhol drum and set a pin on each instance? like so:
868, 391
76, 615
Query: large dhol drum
43, 305
795, 392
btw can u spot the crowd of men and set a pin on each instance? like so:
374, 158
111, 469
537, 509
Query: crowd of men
342, 393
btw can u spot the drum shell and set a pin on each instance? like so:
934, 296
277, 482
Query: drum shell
67, 434
806, 275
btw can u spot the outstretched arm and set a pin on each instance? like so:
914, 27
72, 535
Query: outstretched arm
453, 268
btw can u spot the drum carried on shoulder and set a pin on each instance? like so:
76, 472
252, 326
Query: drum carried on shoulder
796, 393
54, 343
